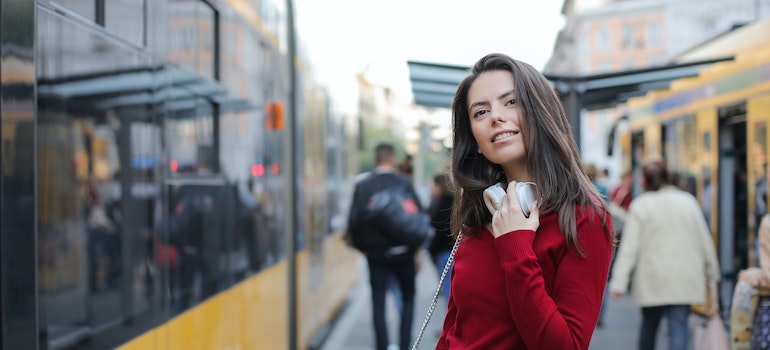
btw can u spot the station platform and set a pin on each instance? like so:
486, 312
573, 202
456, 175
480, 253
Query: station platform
353, 330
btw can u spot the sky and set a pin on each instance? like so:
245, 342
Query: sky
345, 37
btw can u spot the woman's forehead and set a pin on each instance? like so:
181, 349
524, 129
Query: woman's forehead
492, 84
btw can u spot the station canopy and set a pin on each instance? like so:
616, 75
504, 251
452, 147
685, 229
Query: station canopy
434, 84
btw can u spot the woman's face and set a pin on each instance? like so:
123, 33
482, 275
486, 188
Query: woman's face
495, 118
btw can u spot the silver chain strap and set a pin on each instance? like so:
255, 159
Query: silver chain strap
438, 290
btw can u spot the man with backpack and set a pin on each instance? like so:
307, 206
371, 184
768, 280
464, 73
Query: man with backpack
381, 240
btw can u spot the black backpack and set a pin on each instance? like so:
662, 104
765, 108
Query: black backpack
394, 211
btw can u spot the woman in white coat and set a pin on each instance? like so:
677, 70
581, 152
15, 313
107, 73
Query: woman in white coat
667, 252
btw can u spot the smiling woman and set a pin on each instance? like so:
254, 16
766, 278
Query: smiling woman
510, 128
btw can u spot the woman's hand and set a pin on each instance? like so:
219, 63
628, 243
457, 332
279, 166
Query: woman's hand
510, 217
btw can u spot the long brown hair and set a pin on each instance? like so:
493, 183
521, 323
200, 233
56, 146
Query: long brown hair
552, 155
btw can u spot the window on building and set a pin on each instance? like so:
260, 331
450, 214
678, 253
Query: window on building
653, 34
628, 35
602, 39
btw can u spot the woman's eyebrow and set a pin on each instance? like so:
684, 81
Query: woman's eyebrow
478, 103
504, 95
511, 92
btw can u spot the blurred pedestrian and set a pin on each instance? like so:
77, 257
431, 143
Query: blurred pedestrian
668, 250
621, 194
759, 278
189, 236
521, 282
593, 175
440, 215
102, 244
385, 255
603, 177
620, 200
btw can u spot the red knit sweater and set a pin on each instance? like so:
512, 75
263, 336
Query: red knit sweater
528, 291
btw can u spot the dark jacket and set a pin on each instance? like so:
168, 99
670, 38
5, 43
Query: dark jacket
366, 237
440, 215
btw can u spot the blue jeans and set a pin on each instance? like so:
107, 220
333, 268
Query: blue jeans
440, 261
605, 298
676, 315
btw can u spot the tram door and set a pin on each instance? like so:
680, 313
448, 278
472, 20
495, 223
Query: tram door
732, 194
757, 120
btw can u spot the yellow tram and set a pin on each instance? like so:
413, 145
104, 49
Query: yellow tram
145, 179
712, 130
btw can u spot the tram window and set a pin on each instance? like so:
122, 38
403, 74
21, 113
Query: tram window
85, 8
126, 18
760, 171
191, 28
190, 139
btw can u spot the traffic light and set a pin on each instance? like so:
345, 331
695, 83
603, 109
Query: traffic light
274, 116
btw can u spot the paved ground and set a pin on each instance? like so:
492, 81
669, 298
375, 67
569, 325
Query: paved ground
353, 329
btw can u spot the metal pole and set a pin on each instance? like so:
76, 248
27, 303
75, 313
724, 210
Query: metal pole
292, 175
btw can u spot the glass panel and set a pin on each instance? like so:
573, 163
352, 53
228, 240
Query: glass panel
190, 136
18, 297
707, 194
98, 159
680, 152
85, 8
126, 19
191, 31
759, 152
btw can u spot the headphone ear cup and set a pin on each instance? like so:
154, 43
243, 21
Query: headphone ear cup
526, 192
493, 197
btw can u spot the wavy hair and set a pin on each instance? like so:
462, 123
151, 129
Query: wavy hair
551, 151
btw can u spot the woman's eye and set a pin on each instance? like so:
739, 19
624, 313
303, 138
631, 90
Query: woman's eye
480, 112
511, 101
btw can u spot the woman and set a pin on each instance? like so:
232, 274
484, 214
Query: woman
668, 248
521, 282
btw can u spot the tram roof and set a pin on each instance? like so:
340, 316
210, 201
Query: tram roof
434, 84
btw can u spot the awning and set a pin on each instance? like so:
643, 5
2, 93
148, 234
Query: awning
170, 89
434, 84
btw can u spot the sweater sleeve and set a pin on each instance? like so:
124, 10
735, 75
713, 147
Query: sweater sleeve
566, 318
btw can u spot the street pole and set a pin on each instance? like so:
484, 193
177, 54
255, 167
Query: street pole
292, 176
